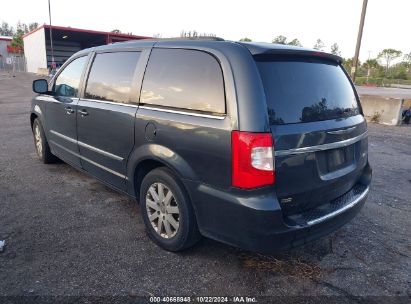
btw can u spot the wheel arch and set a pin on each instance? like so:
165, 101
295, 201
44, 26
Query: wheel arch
36, 112
33, 116
148, 157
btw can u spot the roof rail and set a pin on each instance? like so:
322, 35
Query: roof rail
188, 38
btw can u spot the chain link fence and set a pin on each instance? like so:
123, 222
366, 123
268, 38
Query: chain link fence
13, 63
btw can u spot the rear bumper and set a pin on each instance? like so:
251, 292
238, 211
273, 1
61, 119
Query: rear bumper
257, 223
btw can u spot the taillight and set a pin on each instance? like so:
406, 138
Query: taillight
252, 159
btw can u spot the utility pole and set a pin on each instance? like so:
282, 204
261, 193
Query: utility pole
53, 64
359, 37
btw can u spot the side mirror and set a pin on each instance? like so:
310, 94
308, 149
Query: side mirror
40, 86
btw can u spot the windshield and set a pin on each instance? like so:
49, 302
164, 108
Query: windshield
302, 90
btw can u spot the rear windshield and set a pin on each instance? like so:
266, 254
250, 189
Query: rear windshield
302, 90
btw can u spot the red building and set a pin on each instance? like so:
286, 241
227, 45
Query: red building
66, 42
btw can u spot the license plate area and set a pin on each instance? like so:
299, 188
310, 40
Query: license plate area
339, 158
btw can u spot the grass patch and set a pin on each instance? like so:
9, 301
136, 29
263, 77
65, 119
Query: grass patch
289, 266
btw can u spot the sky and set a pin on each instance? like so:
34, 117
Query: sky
333, 21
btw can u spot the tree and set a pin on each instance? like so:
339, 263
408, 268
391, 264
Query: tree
17, 34
283, 40
407, 60
295, 42
194, 34
245, 39
6, 30
335, 49
387, 56
33, 26
348, 64
22, 27
116, 31
189, 34
319, 45
399, 70
17, 41
371, 64
208, 35
280, 40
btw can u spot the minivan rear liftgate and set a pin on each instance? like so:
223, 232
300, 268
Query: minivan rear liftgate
313, 174
320, 136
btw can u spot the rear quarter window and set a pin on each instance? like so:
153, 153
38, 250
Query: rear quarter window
184, 79
300, 90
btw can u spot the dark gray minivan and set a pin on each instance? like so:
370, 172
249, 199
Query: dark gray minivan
260, 146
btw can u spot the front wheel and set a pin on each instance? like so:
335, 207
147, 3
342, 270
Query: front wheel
167, 212
41, 144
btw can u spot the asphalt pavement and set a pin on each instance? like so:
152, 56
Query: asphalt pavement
385, 92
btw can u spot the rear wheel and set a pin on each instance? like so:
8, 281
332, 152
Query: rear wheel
167, 212
41, 144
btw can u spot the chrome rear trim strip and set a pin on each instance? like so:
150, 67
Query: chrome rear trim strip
323, 147
130, 105
182, 112
341, 210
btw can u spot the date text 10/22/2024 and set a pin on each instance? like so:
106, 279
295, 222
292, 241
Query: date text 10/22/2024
205, 299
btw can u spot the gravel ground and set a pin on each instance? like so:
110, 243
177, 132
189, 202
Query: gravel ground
68, 235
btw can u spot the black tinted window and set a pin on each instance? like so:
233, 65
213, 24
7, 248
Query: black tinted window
184, 79
68, 81
111, 76
306, 90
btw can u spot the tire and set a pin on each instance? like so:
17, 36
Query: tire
41, 145
171, 208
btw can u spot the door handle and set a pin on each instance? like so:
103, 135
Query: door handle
83, 112
69, 110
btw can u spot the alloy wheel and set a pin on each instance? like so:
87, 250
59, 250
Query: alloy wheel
37, 139
162, 210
